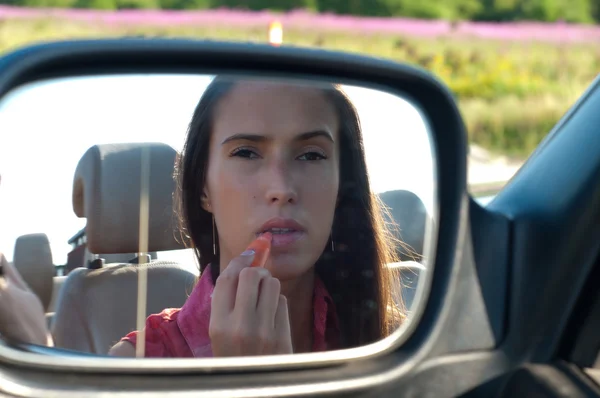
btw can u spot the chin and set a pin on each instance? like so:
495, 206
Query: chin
287, 267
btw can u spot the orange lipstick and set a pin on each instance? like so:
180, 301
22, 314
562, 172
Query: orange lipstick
262, 248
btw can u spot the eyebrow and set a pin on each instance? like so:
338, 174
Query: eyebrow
262, 138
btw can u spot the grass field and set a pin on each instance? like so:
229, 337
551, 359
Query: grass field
511, 92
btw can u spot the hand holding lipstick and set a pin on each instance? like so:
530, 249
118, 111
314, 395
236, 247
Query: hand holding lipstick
249, 316
261, 246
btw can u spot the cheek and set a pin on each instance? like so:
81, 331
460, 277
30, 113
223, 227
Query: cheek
232, 194
320, 196
322, 189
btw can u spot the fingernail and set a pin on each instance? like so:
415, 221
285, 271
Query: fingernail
248, 253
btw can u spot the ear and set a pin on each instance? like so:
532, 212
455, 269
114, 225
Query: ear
205, 202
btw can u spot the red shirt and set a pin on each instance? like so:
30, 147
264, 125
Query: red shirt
183, 332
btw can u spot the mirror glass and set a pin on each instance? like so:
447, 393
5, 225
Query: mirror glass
210, 216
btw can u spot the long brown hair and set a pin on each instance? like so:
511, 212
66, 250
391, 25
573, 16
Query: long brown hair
355, 272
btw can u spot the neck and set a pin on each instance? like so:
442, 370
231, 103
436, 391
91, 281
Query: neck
299, 295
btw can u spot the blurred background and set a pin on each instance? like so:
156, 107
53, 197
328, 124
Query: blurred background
514, 66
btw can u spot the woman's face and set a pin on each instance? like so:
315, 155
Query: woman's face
274, 166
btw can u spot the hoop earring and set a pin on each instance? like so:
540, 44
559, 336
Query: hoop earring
214, 240
332, 245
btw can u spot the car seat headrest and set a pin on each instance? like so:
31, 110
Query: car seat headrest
32, 258
107, 191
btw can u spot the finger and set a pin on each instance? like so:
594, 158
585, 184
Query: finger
249, 284
282, 326
268, 301
236, 265
6, 274
4, 303
223, 300
2, 262
7, 310
10, 273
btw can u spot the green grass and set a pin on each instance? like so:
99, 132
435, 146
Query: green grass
510, 93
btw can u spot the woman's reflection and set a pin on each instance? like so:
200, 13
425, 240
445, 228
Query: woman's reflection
285, 159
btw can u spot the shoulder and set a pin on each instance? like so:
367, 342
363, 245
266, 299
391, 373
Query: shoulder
122, 349
161, 332
157, 322
166, 316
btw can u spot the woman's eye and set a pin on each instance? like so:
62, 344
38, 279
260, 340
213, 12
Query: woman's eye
244, 153
311, 156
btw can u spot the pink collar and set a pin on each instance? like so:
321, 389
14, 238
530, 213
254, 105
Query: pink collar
194, 317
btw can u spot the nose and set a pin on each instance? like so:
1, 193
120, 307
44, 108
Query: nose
280, 187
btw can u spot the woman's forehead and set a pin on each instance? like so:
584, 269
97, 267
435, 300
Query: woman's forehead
256, 106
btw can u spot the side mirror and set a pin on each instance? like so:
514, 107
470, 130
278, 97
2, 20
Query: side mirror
103, 78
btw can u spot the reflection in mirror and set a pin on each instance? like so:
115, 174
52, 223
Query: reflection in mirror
202, 216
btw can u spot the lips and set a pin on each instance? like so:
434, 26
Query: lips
281, 225
277, 231
285, 231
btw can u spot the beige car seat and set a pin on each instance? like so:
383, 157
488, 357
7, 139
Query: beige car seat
97, 307
32, 258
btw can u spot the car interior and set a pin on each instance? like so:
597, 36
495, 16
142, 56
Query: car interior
100, 298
